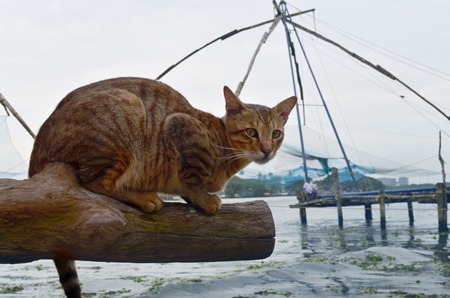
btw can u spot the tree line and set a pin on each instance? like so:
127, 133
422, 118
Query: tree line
271, 185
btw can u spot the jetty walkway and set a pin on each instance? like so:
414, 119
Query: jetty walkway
430, 195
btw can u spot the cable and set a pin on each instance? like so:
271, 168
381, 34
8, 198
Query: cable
223, 37
406, 58
323, 101
376, 67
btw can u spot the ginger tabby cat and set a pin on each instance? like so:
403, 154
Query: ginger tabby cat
129, 138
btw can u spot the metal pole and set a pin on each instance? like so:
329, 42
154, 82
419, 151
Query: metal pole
288, 39
323, 101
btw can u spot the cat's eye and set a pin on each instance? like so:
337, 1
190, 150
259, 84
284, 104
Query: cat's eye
251, 132
276, 134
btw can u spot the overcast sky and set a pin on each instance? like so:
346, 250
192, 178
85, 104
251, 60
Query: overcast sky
48, 48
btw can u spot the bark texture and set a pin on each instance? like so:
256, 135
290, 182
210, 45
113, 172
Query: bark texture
52, 216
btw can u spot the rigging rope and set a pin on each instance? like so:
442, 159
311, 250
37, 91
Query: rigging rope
223, 37
356, 38
376, 67
288, 18
299, 81
289, 42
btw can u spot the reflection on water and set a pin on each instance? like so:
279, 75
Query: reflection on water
323, 232
323, 236
406, 247
441, 248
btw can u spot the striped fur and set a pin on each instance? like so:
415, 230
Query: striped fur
68, 277
129, 138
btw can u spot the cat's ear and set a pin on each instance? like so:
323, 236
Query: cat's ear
233, 104
284, 108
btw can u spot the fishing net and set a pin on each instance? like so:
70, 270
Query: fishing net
323, 153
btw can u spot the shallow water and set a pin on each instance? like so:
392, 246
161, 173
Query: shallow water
317, 259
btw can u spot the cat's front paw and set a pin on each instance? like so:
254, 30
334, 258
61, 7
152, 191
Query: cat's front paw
211, 204
150, 202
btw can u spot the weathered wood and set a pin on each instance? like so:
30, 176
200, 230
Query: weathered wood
381, 200
337, 194
441, 199
51, 216
355, 200
410, 213
368, 211
9, 107
302, 210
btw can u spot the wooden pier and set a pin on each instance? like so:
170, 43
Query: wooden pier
436, 195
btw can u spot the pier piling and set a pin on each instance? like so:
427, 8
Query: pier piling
410, 213
428, 195
441, 198
368, 211
337, 193
302, 210
381, 199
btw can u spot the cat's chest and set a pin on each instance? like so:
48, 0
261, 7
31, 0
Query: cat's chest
218, 184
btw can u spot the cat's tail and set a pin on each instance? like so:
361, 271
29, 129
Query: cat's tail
68, 277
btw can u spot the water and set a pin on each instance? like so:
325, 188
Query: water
319, 259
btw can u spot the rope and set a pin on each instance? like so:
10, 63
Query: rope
223, 37
288, 18
376, 67
299, 81
299, 124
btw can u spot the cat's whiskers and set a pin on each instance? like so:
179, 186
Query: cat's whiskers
235, 155
227, 148
231, 157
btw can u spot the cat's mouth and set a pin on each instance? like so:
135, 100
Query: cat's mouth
263, 159
259, 158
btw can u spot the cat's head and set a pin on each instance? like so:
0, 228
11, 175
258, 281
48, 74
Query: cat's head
255, 131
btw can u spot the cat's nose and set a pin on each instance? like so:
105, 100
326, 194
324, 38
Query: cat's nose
266, 151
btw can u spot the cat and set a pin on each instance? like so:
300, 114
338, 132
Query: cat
129, 138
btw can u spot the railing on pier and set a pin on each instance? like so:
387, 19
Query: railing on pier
437, 195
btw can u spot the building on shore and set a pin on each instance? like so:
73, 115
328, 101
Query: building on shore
388, 181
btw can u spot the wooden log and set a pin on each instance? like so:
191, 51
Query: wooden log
51, 216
